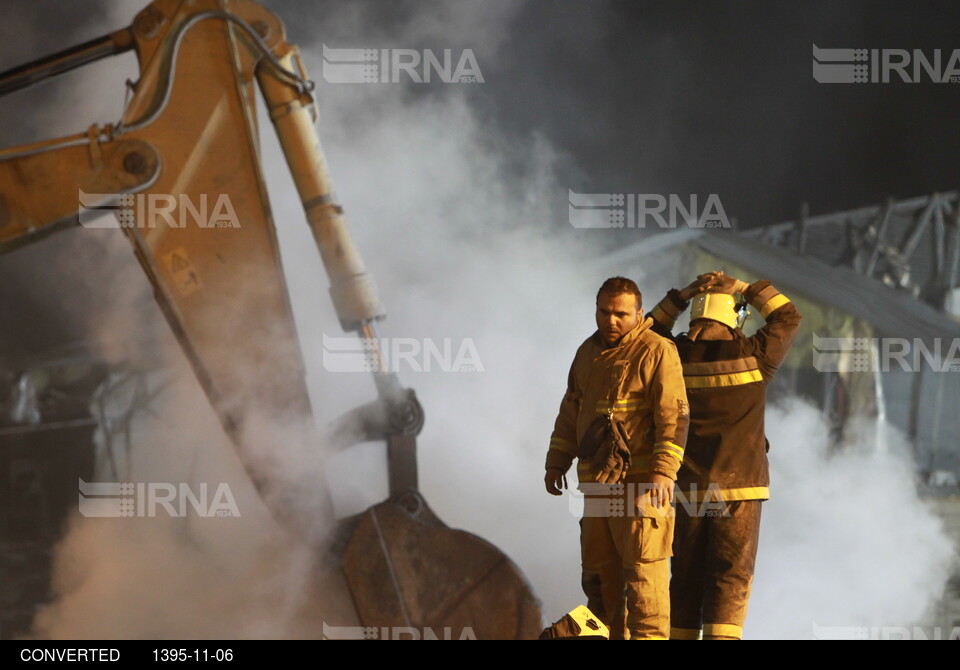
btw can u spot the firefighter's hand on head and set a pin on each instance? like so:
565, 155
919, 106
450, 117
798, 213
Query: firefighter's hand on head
704, 282
725, 284
554, 480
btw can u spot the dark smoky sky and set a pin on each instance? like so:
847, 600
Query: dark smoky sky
662, 97
711, 97
638, 97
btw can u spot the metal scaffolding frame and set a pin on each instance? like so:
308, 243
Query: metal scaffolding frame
884, 242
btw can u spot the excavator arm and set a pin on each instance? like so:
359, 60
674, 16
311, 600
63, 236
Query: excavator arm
183, 174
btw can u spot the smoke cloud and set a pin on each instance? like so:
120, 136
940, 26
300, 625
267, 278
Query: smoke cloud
845, 540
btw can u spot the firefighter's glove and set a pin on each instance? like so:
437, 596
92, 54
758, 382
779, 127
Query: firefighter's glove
595, 435
612, 460
703, 283
725, 284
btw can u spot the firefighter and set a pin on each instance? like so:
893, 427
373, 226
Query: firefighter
624, 418
724, 477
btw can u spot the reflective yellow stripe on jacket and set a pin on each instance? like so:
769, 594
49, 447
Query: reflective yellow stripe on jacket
625, 405
721, 374
716, 494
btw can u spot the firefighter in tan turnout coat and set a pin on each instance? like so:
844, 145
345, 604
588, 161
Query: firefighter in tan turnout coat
626, 379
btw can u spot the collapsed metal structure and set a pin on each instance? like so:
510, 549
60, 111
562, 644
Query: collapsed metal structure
912, 245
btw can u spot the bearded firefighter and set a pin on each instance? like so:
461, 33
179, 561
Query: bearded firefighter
624, 417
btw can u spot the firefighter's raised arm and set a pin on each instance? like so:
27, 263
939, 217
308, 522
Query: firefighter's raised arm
772, 342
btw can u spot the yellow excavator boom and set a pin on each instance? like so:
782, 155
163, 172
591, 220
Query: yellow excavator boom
182, 173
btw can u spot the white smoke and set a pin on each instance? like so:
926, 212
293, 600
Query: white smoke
845, 540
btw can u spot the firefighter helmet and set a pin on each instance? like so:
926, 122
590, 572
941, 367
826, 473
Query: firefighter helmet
720, 307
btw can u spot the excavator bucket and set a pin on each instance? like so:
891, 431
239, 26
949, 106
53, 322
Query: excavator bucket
407, 570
